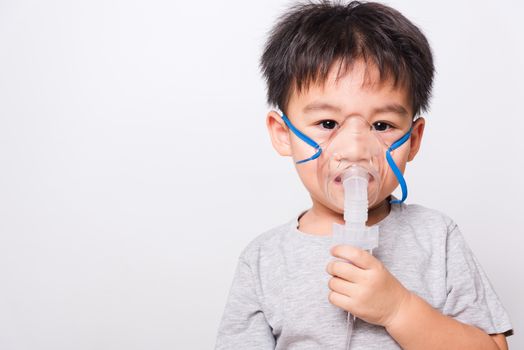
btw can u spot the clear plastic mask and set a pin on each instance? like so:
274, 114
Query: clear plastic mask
340, 143
355, 141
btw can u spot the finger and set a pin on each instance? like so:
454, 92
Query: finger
355, 255
341, 301
344, 270
342, 286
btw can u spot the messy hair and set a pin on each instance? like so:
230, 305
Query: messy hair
311, 37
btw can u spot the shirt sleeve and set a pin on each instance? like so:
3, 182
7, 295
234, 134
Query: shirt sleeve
244, 325
470, 297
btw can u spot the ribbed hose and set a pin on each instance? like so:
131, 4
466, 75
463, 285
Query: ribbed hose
350, 322
350, 327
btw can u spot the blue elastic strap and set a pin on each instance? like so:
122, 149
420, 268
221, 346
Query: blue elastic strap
396, 170
304, 138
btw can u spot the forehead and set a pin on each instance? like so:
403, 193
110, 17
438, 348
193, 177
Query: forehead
357, 89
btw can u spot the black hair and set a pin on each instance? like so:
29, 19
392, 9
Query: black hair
310, 37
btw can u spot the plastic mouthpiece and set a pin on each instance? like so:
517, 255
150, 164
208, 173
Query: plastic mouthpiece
355, 232
355, 181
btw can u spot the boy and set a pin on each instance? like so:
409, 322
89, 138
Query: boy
333, 70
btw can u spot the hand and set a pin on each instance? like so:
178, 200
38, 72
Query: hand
364, 287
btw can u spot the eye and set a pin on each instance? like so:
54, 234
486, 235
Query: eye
381, 126
328, 124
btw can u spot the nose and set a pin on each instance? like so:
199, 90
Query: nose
355, 125
351, 151
351, 144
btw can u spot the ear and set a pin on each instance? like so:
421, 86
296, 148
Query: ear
416, 137
279, 133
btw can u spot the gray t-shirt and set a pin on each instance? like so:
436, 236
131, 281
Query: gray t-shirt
279, 295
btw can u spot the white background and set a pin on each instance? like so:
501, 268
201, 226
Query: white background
135, 164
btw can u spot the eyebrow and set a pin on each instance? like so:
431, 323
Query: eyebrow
321, 106
392, 107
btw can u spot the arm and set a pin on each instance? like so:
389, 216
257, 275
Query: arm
417, 325
367, 289
244, 324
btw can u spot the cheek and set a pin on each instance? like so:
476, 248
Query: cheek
400, 156
308, 175
306, 171
299, 149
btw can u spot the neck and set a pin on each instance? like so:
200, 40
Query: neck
319, 219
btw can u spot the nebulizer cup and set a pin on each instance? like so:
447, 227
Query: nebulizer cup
355, 232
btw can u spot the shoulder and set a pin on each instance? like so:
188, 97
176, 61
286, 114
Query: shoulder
417, 215
265, 244
429, 228
434, 226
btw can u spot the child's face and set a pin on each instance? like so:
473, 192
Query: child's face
335, 100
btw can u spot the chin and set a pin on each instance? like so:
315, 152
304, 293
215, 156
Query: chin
327, 205
379, 202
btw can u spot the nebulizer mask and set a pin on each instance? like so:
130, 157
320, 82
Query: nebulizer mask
345, 148
354, 156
